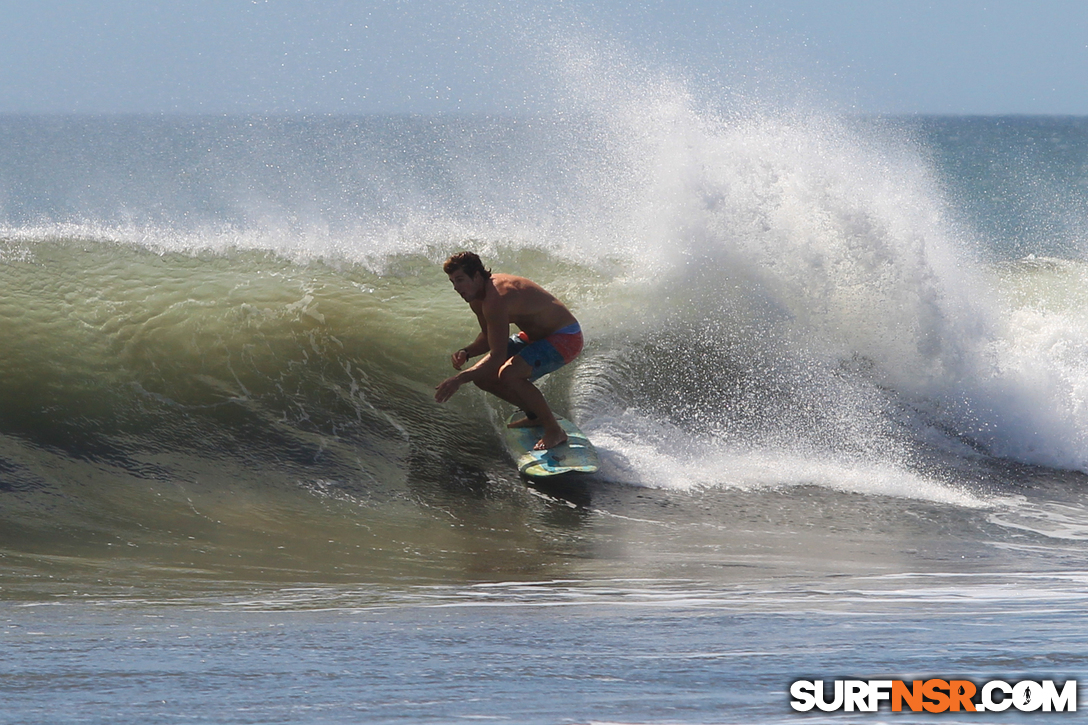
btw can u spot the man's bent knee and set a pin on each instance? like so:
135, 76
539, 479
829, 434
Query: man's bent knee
513, 370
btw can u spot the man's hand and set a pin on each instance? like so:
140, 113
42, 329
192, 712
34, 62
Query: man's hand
446, 389
459, 358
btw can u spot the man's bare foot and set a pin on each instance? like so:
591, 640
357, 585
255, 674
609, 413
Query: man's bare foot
525, 422
551, 439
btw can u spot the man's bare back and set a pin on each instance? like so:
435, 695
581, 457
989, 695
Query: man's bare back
550, 337
532, 308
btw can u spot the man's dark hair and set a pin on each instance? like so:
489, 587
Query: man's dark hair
467, 262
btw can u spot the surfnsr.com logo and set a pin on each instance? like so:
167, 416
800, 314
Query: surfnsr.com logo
935, 695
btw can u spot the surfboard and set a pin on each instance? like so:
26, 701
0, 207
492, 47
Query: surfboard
577, 455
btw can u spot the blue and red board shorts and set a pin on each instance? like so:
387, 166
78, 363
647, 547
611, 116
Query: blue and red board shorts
547, 355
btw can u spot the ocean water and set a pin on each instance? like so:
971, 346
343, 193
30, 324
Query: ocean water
836, 369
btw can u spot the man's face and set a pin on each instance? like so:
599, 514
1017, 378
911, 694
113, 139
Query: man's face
467, 287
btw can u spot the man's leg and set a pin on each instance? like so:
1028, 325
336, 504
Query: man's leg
500, 390
514, 380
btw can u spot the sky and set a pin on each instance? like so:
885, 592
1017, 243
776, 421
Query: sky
489, 56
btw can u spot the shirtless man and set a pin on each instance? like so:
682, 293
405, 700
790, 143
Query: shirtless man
550, 338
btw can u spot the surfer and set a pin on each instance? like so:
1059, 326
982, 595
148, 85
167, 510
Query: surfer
550, 338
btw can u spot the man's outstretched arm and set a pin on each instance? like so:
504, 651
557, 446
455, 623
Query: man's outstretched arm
498, 330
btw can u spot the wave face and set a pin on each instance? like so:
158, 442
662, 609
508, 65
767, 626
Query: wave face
248, 315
